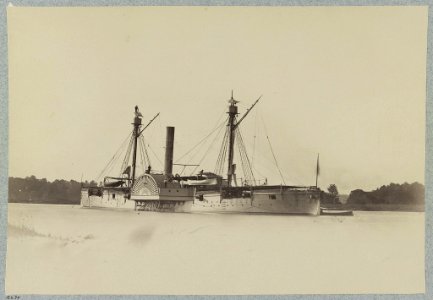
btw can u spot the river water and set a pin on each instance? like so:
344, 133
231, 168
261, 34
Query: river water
63, 249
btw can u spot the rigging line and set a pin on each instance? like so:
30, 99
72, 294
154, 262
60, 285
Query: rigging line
106, 167
222, 153
148, 124
142, 158
221, 147
254, 150
224, 157
240, 153
267, 170
221, 157
195, 146
275, 159
273, 154
254, 138
241, 156
218, 161
193, 155
198, 147
292, 176
127, 155
246, 158
160, 126
153, 152
247, 163
264, 165
207, 151
248, 167
157, 158
140, 141
223, 112
145, 154
158, 131
114, 156
183, 169
147, 162
247, 112
258, 172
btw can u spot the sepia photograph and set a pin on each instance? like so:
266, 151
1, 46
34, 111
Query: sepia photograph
216, 150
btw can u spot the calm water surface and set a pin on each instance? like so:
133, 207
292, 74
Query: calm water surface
60, 249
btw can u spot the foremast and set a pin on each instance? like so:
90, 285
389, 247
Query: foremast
137, 125
135, 141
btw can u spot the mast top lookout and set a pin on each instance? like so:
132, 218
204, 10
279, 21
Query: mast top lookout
138, 116
233, 109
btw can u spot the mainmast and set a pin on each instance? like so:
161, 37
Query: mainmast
233, 111
233, 125
137, 125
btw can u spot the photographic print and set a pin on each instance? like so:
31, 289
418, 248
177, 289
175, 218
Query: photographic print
216, 150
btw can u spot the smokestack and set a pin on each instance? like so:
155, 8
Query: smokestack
168, 167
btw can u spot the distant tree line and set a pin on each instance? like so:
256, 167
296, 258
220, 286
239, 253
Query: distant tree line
407, 197
331, 198
33, 190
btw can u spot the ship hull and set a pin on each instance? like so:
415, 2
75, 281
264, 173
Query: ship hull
269, 200
164, 206
273, 201
106, 199
120, 201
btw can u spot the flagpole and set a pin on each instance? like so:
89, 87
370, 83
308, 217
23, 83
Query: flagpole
317, 168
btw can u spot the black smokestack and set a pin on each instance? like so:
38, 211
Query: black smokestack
168, 167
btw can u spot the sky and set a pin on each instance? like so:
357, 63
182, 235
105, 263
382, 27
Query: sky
346, 82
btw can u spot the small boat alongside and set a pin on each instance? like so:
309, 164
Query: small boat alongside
335, 212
